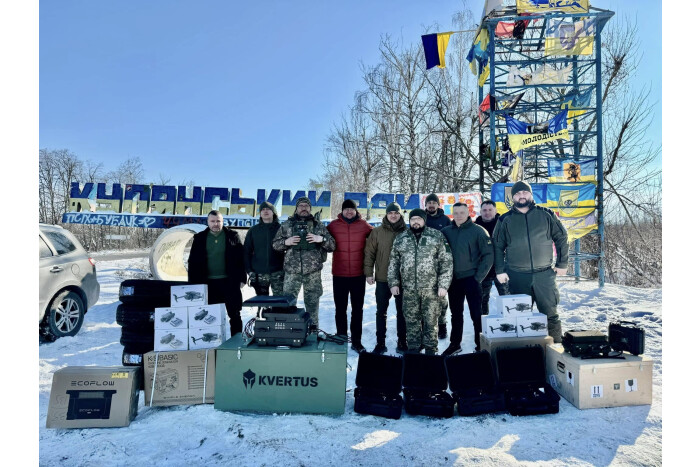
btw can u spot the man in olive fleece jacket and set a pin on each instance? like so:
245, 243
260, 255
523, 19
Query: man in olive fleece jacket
263, 263
523, 244
472, 254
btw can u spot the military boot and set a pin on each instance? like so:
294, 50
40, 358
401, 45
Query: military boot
380, 348
442, 331
402, 346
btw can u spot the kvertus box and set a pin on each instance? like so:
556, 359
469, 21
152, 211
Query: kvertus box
93, 397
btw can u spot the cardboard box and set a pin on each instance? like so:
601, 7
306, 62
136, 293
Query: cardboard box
207, 337
605, 382
493, 345
499, 326
180, 378
93, 397
207, 315
307, 379
170, 318
511, 305
168, 340
188, 295
532, 324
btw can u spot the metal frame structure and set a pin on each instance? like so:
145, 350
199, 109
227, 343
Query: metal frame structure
542, 101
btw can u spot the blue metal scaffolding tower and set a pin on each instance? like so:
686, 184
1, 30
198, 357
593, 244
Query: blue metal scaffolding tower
540, 102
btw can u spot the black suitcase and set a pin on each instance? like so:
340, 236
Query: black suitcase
626, 336
272, 301
586, 343
378, 382
521, 374
275, 327
473, 384
424, 386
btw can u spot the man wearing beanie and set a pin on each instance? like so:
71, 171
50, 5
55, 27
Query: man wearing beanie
376, 265
422, 265
350, 232
305, 243
488, 220
438, 220
523, 245
263, 263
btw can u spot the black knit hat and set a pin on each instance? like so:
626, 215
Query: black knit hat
393, 207
432, 197
417, 212
520, 186
266, 205
348, 203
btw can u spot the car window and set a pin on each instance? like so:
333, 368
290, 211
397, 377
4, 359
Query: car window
61, 243
44, 250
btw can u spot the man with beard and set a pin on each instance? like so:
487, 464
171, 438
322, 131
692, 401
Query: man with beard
488, 219
262, 262
422, 265
523, 241
438, 220
377, 253
350, 232
216, 259
305, 243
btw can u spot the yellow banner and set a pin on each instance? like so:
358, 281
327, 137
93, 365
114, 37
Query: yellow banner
543, 6
518, 142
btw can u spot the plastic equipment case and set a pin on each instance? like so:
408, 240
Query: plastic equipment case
473, 384
378, 381
424, 386
521, 373
626, 336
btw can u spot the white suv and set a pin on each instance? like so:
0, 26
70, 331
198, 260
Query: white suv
67, 282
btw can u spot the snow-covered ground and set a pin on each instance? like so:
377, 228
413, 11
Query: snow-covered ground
201, 435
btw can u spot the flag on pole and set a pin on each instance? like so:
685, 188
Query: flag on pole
571, 199
576, 102
523, 135
478, 56
570, 170
435, 46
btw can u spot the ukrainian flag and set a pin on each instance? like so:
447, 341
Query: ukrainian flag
478, 56
523, 135
543, 6
570, 170
571, 199
501, 195
435, 46
577, 227
576, 102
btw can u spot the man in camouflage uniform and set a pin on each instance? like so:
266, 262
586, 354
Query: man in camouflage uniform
305, 242
421, 264
437, 219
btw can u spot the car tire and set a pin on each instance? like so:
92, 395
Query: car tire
131, 315
145, 292
137, 340
65, 314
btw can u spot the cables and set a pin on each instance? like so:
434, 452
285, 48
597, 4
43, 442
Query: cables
335, 338
249, 329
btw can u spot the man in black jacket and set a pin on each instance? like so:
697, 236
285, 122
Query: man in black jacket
523, 240
216, 259
438, 220
472, 254
488, 219
262, 262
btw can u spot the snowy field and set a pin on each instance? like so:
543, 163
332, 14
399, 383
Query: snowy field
201, 435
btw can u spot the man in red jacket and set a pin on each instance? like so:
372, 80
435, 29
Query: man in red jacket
350, 232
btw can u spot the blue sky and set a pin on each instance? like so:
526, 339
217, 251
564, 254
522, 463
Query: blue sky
233, 94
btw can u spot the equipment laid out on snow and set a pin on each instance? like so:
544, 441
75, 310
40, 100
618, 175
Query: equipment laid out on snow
279, 321
473, 384
424, 386
379, 381
626, 336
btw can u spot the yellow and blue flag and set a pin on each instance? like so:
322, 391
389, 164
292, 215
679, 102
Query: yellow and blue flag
571, 199
577, 227
570, 170
577, 103
502, 196
478, 56
435, 46
543, 6
569, 38
523, 135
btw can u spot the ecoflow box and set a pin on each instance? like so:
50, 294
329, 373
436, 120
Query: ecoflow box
93, 397
600, 382
180, 378
188, 295
306, 379
493, 345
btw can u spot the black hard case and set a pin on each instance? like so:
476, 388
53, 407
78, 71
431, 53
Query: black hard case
521, 374
424, 386
585, 343
378, 382
272, 301
473, 384
282, 327
626, 336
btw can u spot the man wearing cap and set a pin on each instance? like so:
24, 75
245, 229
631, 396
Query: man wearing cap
263, 263
217, 259
421, 264
350, 232
488, 219
523, 245
472, 254
438, 220
305, 242
377, 254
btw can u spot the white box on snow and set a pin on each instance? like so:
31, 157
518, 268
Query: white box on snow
207, 315
531, 325
188, 295
170, 318
512, 305
207, 337
170, 339
499, 326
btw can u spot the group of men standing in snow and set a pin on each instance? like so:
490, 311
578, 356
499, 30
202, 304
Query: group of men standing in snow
424, 265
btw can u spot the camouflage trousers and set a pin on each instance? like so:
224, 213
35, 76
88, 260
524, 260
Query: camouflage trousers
313, 289
262, 283
421, 308
443, 310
